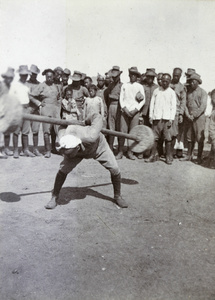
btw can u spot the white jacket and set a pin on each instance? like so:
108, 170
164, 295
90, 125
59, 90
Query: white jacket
163, 104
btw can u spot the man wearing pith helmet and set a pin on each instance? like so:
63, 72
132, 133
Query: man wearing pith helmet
132, 99
194, 110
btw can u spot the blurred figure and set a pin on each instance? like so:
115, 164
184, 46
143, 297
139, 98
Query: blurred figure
5, 85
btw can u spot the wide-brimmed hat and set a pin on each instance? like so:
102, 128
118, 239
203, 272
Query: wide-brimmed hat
134, 70
77, 76
8, 73
34, 69
48, 70
68, 141
150, 72
115, 71
58, 69
23, 70
190, 72
196, 77
67, 71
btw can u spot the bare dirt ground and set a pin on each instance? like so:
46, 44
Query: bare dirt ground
161, 247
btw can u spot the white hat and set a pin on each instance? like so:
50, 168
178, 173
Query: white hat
69, 141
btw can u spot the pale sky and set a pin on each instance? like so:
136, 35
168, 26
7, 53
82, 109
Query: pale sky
91, 36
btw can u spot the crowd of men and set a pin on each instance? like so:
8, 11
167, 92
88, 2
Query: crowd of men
176, 112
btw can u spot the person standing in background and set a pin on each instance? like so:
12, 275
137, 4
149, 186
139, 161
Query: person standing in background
33, 109
132, 99
21, 90
112, 95
195, 112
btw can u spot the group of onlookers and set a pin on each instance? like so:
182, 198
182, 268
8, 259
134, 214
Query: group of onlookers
177, 113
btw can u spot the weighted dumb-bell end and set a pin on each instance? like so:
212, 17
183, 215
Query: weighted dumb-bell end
144, 139
10, 113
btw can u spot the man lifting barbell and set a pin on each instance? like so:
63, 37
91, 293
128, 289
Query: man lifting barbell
77, 142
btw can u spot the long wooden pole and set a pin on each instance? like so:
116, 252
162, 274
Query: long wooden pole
56, 121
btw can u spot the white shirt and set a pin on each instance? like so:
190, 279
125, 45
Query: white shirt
128, 96
21, 91
163, 104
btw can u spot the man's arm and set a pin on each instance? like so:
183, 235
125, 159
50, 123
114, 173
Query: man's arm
202, 106
35, 94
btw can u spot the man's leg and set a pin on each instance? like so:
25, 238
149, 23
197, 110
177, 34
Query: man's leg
106, 158
133, 122
6, 145
66, 166
25, 129
124, 129
59, 181
35, 126
47, 145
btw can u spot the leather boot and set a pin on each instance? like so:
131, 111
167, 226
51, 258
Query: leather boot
188, 157
169, 157
35, 143
26, 151
200, 151
47, 145
160, 147
6, 145
173, 145
53, 140
152, 157
116, 181
15, 146
59, 181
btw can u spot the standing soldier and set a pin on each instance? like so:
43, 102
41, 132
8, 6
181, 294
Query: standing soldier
33, 109
112, 95
194, 111
178, 128
45, 96
149, 87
